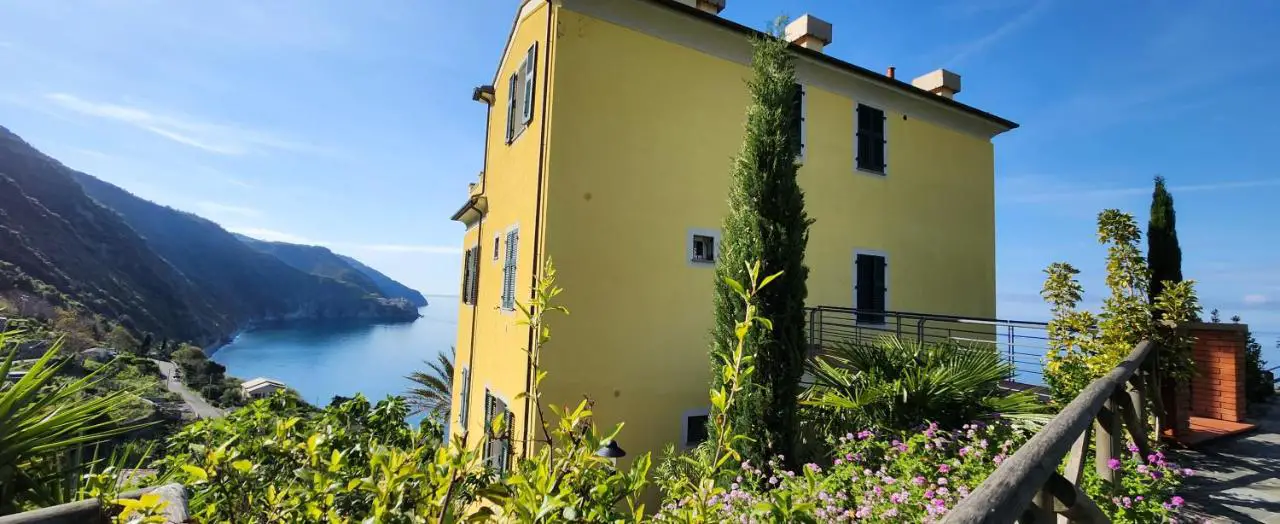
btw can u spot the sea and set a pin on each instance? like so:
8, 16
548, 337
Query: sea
323, 360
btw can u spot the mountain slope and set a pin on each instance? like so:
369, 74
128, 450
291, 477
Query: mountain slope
315, 260
389, 287
57, 243
65, 235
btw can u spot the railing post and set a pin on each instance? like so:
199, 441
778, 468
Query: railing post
813, 313
1106, 441
1012, 364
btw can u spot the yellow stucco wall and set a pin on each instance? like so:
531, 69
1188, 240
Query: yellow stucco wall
640, 153
497, 358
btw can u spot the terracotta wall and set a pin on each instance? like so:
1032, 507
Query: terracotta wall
1218, 390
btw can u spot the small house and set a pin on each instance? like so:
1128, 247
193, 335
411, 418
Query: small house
260, 388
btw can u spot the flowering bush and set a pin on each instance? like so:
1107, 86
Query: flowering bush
1146, 489
912, 477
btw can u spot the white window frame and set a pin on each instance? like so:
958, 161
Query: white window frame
857, 142
887, 268
714, 234
530, 67
684, 425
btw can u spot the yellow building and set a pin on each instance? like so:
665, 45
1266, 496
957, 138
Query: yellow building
611, 125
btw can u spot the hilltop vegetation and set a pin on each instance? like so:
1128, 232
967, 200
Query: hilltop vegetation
71, 241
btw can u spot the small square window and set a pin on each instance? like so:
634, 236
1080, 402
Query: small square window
695, 430
704, 248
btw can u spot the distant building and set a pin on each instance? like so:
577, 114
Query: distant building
261, 387
98, 354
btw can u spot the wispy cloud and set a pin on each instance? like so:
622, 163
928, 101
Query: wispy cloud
272, 235
981, 44
228, 209
214, 138
1037, 197
1255, 299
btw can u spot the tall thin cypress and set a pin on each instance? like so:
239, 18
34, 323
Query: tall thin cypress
767, 223
1164, 256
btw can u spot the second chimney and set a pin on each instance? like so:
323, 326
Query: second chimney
711, 6
809, 32
939, 82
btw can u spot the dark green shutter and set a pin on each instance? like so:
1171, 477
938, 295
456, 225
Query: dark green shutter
511, 108
871, 139
870, 288
466, 278
797, 120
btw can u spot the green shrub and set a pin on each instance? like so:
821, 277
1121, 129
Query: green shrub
896, 384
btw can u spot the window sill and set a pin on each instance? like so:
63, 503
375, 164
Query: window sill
703, 262
880, 174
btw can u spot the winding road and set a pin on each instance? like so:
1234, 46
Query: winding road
198, 405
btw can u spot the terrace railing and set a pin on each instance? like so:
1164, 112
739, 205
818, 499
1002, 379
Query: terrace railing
1022, 343
1028, 488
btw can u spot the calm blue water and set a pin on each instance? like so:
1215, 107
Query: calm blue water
320, 361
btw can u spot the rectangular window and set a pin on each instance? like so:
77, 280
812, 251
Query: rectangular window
511, 109
530, 68
495, 247
466, 276
797, 122
871, 139
870, 288
704, 248
464, 403
470, 275
695, 429
497, 447
509, 270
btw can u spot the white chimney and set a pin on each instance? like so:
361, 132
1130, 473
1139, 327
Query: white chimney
939, 82
809, 32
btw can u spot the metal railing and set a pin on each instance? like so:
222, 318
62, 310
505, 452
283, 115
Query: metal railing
1028, 488
1022, 343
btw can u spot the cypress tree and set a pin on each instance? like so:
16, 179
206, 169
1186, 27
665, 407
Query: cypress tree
1164, 257
767, 223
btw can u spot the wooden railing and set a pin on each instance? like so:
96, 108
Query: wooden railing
1028, 488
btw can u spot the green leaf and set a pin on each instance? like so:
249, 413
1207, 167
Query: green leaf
242, 465
196, 472
735, 286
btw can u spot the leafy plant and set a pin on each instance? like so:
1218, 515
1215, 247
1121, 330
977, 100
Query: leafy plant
432, 388
1084, 346
697, 490
766, 224
44, 429
896, 384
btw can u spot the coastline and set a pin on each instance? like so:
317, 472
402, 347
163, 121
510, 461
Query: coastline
252, 325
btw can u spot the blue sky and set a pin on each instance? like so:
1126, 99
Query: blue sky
350, 123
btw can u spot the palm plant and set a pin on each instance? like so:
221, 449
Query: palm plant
899, 384
44, 428
432, 391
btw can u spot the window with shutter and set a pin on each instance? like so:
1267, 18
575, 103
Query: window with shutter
466, 277
497, 449
464, 403
530, 74
509, 270
871, 139
870, 288
475, 274
798, 123
511, 109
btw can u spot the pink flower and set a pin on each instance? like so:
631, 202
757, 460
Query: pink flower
1177, 501
919, 481
1114, 464
943, 468
1187, 472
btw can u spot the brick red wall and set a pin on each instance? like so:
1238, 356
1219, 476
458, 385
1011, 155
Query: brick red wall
1217, 391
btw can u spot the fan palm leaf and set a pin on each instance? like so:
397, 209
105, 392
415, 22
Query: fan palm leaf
433, 387
900, 383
